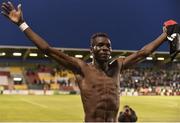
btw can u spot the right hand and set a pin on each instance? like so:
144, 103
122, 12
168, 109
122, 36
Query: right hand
9, 11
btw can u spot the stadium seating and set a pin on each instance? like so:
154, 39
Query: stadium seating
139, 80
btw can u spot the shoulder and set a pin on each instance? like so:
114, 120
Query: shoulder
79, 61
116, 62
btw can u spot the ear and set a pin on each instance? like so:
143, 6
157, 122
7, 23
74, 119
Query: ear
91, 49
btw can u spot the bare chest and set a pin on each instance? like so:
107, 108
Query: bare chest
95, 79
100, 89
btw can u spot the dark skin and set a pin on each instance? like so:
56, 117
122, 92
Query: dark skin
98, 81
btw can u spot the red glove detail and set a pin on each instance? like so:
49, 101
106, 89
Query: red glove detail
169, 23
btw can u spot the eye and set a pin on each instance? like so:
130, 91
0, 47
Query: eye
108, 45
100, 44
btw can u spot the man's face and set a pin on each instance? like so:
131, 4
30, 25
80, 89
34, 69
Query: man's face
101, 49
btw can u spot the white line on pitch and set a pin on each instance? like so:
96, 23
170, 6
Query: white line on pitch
34, 103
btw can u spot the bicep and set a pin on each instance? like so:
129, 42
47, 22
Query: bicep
69, 62
134, 58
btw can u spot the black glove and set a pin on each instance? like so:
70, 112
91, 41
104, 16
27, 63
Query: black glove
173, 29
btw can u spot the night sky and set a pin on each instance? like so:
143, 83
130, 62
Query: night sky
70, 23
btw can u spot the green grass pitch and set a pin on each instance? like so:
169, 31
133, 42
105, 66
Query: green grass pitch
62, 108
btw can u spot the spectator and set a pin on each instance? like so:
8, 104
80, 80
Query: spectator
127, 115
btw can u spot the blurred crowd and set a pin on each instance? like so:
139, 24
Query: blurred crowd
151, 80
139, 80
143, 79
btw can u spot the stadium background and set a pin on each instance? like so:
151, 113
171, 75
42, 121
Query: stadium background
68, 25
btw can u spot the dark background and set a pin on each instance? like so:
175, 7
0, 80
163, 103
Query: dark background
70, 23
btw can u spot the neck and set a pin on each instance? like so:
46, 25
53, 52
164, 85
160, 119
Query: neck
103, 65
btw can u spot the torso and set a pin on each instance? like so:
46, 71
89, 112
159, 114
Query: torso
100, 92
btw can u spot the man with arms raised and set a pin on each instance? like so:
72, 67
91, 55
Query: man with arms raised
99, 80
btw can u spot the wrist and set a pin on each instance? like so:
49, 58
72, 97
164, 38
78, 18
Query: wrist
20, 22
165, 34
23, 26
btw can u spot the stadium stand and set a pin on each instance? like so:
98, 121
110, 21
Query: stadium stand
151, 81
41, 74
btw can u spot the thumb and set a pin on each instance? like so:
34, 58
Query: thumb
19, 8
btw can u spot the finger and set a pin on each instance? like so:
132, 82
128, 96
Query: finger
5, 9
11, 5
7, 6
5, 14
164, 29
19, 7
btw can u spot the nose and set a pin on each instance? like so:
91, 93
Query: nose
105, 48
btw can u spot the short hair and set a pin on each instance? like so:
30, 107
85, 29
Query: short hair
126, 106
95, 35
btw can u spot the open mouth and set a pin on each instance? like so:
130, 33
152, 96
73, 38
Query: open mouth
104, 52
105, 55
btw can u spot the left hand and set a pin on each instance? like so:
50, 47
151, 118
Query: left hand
13, 14
169, 27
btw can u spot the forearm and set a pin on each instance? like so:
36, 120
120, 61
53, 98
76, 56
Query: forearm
149, 48
36, 39
144, 52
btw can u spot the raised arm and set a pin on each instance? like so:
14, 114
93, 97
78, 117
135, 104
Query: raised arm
16, 16
145, 51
